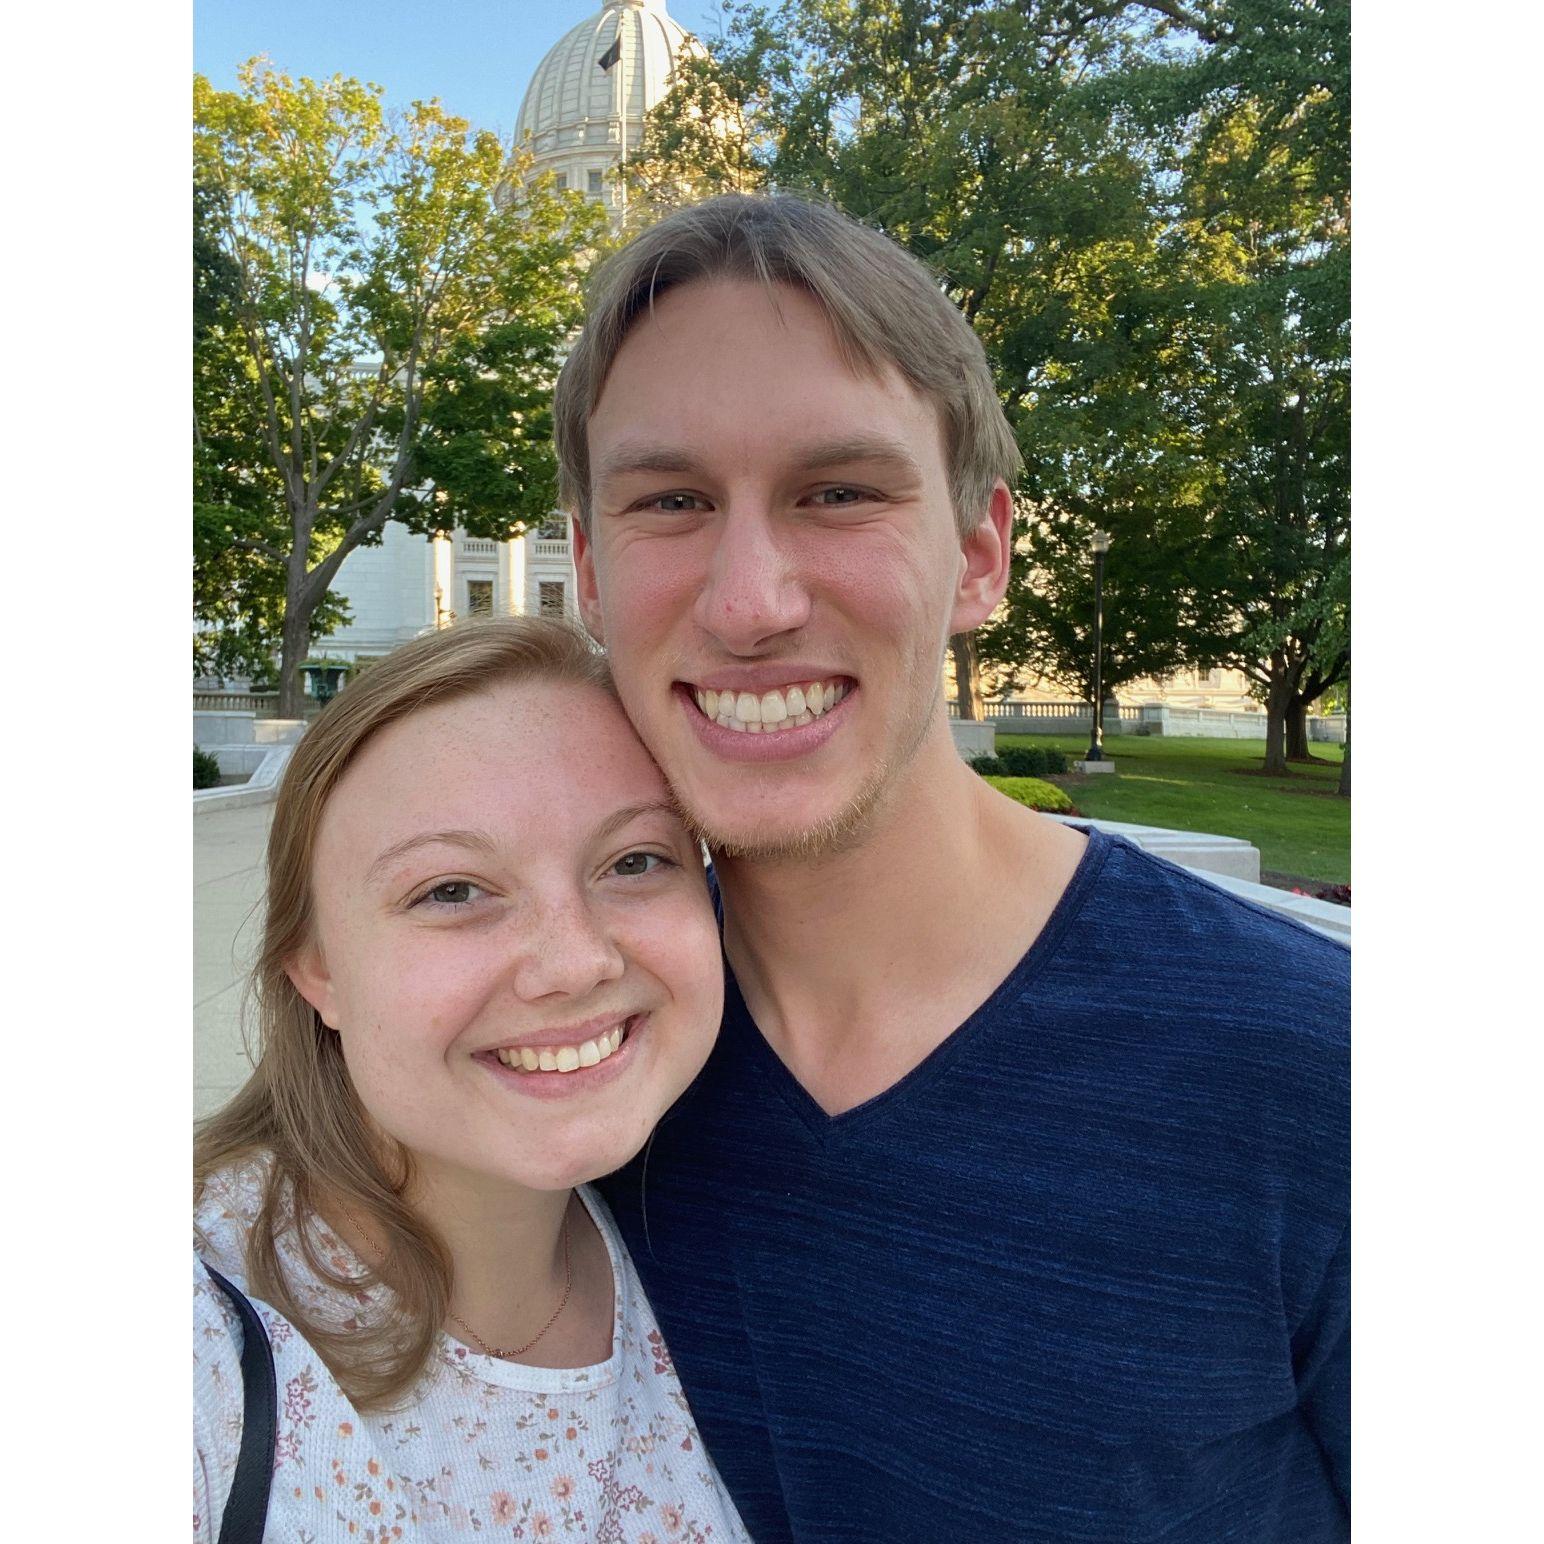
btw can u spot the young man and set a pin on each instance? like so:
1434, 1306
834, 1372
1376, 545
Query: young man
1013, 1201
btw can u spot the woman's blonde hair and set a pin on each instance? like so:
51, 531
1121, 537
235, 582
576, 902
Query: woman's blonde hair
884, 307
299, 1105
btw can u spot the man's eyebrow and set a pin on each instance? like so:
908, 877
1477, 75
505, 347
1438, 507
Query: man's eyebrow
860, 447
620, 819
647, 458
480, 841
627, 458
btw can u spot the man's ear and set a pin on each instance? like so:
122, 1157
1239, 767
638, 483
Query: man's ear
987, 553
310, 977
589, 592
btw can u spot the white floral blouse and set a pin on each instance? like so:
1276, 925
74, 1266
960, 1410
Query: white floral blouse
607, 1453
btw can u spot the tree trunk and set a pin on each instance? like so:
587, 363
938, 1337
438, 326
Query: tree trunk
1344, 788
1297, 730
295, 645
1278, 697
967, 683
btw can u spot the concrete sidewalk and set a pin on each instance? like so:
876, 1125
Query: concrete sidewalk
227, 894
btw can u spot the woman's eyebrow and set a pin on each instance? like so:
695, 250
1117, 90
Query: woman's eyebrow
620, 819
479, 841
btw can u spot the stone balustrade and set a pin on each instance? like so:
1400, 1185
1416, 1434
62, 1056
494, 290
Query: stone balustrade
1012, 716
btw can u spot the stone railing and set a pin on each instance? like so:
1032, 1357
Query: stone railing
263, 704
1013, 716
1212, 724
476, 547
258, 704
548, 547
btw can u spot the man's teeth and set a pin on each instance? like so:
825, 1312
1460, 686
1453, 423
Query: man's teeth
787, 709
562, 1058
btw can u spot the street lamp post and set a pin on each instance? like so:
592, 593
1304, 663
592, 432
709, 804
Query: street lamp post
1099, 544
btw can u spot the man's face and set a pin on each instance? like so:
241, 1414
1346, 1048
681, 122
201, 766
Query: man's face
773, 564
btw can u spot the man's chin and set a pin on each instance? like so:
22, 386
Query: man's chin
740, 840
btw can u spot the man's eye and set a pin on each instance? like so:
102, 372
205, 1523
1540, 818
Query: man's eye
676, 503
835, 498
635, 864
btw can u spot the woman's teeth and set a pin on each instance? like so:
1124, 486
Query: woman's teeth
786, 709
563, 1058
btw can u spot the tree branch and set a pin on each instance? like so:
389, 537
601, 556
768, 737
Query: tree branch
248, 544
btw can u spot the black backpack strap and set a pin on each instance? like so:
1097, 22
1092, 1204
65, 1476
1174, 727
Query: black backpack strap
246, 1508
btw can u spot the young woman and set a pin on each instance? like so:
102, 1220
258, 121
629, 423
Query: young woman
489, 965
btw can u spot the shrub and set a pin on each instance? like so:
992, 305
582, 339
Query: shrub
989, 766
1035, 794
206, 770
1030, 761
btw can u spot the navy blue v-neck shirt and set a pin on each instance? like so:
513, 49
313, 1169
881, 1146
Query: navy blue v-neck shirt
1083, 1274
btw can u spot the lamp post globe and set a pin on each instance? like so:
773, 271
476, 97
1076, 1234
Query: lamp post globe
1099, 544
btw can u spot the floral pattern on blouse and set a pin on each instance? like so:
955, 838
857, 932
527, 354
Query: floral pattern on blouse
607, 1453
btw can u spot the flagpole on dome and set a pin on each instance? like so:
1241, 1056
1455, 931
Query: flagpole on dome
608, 61
622, 111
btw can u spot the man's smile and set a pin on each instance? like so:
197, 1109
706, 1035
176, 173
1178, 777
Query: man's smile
790, 706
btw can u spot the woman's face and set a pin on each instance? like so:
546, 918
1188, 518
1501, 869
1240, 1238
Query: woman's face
500, 879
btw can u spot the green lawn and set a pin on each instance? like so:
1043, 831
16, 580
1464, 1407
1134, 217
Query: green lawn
1297, 822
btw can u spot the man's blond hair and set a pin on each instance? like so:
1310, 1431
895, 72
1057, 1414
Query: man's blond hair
883, 305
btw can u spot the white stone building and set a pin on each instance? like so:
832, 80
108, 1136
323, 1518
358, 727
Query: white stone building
576, 118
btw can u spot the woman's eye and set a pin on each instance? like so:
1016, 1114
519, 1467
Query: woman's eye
453, 892
635, 864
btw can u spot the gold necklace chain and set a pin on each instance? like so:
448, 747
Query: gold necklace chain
482, 1345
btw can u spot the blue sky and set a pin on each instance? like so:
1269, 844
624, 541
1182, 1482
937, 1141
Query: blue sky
476, 56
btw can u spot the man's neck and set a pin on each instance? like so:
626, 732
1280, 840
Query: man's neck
856, 965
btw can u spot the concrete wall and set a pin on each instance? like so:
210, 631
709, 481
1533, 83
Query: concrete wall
215, 729
241, 741
1199, 723
1210, 724
260, 788
973, 739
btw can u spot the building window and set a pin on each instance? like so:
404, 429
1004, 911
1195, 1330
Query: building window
552, 597
560, 183
596, 187
553, 528
479, 597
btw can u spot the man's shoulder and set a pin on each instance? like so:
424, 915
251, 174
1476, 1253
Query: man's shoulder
1153, 981
1142, 912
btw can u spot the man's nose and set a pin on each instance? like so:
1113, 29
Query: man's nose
563, 950
753, 589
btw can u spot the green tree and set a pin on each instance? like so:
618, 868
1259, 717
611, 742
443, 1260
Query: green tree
238, 506
393, 336
1276, 320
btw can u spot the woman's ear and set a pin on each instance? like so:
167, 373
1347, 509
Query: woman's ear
308, 974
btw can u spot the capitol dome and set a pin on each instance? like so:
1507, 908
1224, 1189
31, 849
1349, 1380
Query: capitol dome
573, 109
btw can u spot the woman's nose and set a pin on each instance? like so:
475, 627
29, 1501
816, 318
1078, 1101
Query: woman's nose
564, 951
